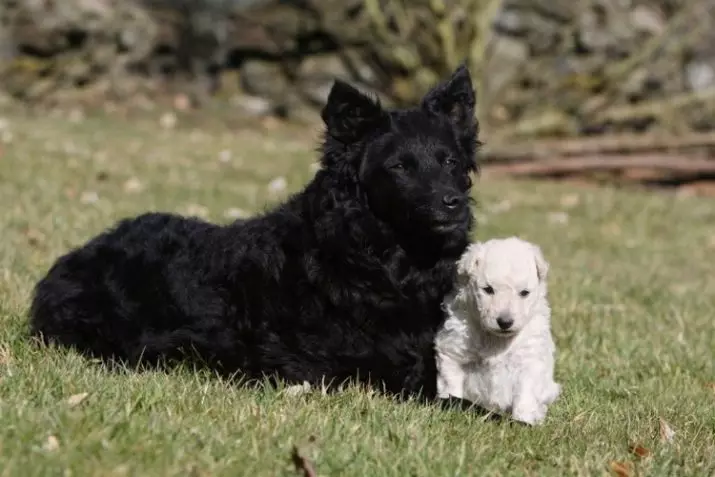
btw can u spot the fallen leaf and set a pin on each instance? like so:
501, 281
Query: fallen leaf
302, 464
612, 229
270, 122
500, 113
225, 156
51, 444
89, 197
499, 207
235, 213
667, 434
168, 120
560, 218
710, 386
197, 210
639, 451
278, 185
182, 102
570, 201
132, 185
76, 399
621, 469
76, 116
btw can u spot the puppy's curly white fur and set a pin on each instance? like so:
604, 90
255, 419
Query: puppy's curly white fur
495, 348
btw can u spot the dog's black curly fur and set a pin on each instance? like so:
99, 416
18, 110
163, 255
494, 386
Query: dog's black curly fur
343, 281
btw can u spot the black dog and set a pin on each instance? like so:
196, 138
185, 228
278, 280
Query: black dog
343, 281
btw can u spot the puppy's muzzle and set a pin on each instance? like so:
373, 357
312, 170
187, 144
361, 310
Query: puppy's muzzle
505, 322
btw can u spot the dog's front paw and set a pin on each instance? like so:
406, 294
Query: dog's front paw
532, 414
552, 393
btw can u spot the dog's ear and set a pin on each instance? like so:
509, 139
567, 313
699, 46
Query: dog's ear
468, 262
542, 266
454, 98
349, 114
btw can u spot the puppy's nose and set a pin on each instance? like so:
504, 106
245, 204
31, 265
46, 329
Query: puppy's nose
504, 322
451, 200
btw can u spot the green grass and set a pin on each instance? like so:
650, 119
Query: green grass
631, 287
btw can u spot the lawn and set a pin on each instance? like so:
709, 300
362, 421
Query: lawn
631, 287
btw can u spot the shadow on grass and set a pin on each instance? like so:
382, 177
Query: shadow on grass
458, 404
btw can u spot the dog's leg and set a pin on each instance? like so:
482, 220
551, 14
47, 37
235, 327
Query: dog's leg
450, 377
529, 405
551, 392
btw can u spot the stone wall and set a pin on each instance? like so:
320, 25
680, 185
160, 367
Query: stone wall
544, 67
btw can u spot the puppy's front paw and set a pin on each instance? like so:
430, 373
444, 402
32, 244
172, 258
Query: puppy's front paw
552, 393
532, 414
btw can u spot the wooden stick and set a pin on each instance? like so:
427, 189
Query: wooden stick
617, 144
676, 164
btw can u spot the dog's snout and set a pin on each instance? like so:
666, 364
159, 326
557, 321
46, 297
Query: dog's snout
451, 200
505, 322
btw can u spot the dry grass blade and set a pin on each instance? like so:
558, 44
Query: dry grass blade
667, 434
5, 354
77, 399
51, 444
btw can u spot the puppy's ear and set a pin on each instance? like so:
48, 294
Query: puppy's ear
349, 114
467, 263
542, 266
456, 99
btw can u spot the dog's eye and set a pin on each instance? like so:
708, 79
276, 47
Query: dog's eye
488, 290
524, 293
450, 162
398, 167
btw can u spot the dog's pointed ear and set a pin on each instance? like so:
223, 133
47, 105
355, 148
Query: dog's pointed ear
468, 262
542, 266
348, 114
455, 98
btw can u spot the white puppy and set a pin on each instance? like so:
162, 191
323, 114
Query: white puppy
495, 348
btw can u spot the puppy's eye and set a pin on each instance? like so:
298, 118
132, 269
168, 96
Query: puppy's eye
398, 167
524, 293
450, 162
488, 290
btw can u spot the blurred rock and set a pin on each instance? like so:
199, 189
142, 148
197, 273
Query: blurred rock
700, 75
648, 19
51, 46
540, 59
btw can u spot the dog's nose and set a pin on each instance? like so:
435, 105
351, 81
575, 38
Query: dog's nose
451, 200
504, 322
